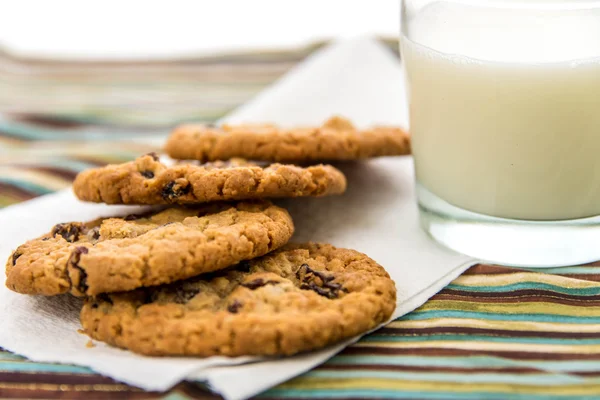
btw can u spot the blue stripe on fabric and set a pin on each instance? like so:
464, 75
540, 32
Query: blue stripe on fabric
430, 314
42, 367
35, 133
70, 165
512, 379
590, 270
464, 362
28, 186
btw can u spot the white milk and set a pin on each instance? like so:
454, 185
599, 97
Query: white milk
510, 127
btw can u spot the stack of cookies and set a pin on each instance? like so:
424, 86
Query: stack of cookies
207, 269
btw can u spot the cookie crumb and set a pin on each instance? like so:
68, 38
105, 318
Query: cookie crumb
90, 344
81, 331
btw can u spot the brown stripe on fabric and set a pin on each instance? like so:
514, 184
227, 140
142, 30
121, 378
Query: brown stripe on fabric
48, 121
592, 264
437, 352
14, 191
452, 330
419, 368
511, 297
196, 391
31, 392
585, 373
55, 377
91, 160
487, 269
534, 293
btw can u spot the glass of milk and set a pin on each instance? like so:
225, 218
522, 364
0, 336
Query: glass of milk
505, 120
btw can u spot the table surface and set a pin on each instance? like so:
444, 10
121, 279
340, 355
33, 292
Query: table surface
494, 333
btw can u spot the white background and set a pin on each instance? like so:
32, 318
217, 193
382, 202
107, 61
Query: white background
136, 28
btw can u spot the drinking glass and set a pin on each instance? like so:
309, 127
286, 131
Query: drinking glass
505, 120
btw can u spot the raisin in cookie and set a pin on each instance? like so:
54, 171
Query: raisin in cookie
148, 181
299, 298
336, 139
116, 254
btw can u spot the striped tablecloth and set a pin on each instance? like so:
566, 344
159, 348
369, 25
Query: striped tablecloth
494, 333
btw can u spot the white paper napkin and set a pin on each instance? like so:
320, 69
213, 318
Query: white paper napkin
378, 216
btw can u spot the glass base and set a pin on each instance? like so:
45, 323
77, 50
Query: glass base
507, 241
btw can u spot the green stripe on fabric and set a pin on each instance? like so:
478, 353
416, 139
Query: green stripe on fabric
394, 394
5, 355
43, 367
175, 396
